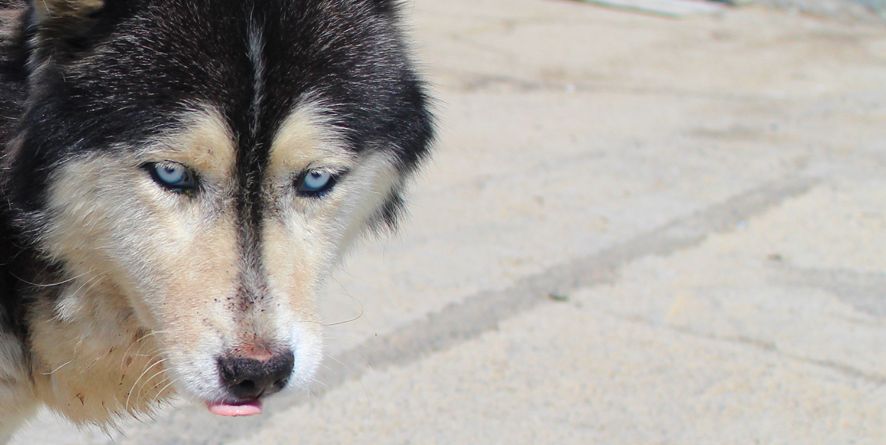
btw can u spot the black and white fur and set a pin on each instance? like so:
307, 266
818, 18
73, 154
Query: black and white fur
118, 292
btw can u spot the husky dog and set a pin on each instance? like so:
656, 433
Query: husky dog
178, 177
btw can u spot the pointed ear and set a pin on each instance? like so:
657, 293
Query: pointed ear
62, 9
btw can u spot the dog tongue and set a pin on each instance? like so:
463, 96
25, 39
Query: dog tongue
235, 410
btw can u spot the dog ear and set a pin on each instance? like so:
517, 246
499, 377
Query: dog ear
64, 9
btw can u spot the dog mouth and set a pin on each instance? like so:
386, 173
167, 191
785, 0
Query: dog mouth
235, 409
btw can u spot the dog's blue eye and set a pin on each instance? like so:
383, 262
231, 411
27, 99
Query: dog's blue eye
172, 175
316, 183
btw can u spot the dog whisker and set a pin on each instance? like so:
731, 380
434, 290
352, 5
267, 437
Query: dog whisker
92, 282
136, 342
58, 368
49, 285
148, 381
354, 299
162, 390
132, 388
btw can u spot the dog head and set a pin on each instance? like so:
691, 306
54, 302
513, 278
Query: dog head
209, 161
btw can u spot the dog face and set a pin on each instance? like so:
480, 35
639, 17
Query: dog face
209, 161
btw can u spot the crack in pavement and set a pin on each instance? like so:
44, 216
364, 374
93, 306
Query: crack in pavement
864, 291
757, 344
483, 312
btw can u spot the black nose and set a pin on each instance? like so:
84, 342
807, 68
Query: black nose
249, 379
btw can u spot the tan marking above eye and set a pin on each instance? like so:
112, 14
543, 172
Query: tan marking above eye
307, 139
205, 145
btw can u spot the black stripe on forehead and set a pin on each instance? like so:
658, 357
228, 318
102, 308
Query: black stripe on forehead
250, 214
253, 153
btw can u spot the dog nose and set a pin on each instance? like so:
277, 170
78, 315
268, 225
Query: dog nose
248, 378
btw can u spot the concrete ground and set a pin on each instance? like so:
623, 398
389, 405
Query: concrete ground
636, 230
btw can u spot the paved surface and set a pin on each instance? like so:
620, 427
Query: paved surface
636, 231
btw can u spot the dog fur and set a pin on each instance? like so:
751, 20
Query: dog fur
117, 291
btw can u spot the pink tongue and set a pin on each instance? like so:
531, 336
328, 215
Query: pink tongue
235, 410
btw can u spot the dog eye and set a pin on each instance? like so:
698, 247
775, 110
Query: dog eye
316, 183
172, 176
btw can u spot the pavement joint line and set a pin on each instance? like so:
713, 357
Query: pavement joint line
758, 345
482, 312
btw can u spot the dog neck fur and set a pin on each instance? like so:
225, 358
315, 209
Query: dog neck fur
90, 360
